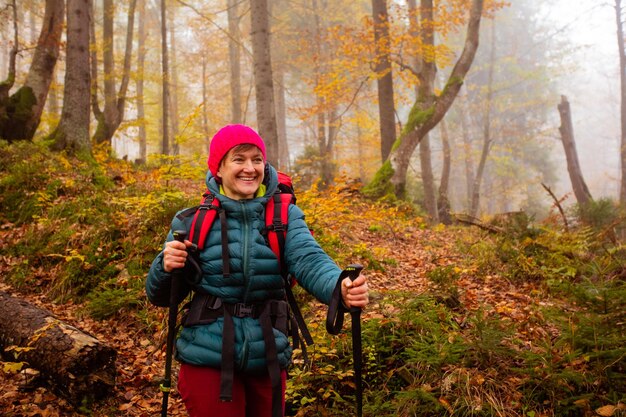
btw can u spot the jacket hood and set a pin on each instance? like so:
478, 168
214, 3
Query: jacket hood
270, 181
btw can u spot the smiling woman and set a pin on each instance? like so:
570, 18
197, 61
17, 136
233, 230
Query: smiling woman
234, 345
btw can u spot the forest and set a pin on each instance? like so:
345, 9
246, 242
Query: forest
437, 143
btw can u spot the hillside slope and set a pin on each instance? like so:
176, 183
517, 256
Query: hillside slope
461, 321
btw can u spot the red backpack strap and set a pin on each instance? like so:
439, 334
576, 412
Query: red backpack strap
202, 222
203, 219
276, 220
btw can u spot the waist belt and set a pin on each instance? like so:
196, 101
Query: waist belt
272, 314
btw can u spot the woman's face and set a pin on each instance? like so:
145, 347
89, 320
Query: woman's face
241, 172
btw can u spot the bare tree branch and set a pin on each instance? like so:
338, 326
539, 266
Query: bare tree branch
557, 203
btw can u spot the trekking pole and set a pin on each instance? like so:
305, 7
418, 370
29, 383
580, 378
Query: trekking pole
355, 314
352, 272
334, 323
166, 386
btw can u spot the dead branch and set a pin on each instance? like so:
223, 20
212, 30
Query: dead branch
557, 203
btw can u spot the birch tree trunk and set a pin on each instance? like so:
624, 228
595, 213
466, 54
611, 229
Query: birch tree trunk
263, 79
581, 191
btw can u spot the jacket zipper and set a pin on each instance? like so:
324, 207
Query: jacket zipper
246, 238
246, 244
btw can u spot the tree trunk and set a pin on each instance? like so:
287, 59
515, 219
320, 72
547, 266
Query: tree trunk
479, 175
426, 71
95, 106
72, 133
428, 180
384, 75
3, 61
426, 92
21, 113
263, 80
581, 191
487, 139
360, 153
443, 202
328, 164
622, 73
6, 85
391, 177
54, 103
281, 122
467, 150
114, 102
108, 61
76, 364
205, 100
174, 115
141, 60
325, 111
32, 18
234, 56
165, 144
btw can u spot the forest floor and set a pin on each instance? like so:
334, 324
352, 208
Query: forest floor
140, 361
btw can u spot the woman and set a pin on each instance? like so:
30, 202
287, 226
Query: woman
242, 181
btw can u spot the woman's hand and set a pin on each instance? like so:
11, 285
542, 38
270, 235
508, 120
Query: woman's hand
175, 255
355, 293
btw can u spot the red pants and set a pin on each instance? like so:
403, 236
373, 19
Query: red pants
199, 387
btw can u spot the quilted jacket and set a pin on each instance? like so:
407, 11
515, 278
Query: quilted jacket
254, 277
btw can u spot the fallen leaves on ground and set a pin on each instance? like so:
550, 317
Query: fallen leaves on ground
141, 354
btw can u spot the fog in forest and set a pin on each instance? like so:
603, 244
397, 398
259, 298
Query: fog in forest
530, 55
593, 89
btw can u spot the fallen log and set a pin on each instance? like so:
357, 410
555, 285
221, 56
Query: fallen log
77, 365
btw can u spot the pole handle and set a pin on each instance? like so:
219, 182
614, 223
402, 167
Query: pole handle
352, 271
180, 235
334, 316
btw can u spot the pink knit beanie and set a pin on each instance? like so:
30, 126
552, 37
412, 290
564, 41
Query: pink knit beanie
227, 138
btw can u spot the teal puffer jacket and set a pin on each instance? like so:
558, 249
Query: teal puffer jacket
255, 277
